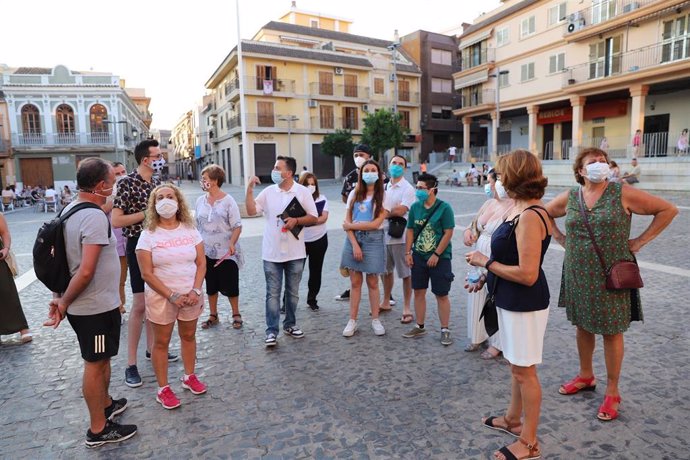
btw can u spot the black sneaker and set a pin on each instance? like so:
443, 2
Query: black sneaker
113, 432
132, 377
117, 407
171, 358
344, 296
313, 305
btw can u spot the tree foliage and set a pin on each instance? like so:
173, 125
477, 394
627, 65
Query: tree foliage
383, 131
338, 144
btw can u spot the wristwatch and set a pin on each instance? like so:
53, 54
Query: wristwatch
197, 291
173, 297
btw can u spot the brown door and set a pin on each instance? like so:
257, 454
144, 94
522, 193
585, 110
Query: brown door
265, 115
324, 166
36, 171
326, 116
350, 85
326, 83
264, 159
404, 90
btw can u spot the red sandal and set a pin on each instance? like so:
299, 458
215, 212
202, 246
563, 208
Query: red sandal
606, 410
572, 387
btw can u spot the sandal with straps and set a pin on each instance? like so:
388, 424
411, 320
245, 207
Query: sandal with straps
572, 387
508, 428
606, 410
211, 321
533, 451
237, 323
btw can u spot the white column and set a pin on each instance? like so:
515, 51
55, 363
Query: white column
83, 127
532, 111
47, 118
494, 137
578, 104
639, 98
466, 124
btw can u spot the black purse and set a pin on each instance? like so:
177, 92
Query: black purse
489, 312
396, 226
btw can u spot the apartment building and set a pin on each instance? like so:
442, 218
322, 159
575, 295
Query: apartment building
555, 76
303, 78
438, 58
57, 117
6, 163
183, 145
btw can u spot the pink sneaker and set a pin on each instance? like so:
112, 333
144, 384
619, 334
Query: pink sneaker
167, 398
194, 385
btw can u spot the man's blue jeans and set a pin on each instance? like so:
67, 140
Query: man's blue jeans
274, 280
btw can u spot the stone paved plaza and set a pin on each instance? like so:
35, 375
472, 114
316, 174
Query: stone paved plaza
326, 396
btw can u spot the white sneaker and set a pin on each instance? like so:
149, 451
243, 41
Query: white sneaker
350, 329
377, 327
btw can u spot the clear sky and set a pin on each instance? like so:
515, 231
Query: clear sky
171, 48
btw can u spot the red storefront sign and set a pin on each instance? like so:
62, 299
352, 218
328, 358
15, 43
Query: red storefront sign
550, 116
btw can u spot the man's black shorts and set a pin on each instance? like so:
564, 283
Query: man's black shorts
441, 275
98, 335
225, 278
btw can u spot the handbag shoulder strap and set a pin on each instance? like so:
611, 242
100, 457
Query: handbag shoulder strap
426, 221
581, 201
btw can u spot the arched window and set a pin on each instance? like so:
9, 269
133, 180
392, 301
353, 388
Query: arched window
64, 117
97, 114
31, 120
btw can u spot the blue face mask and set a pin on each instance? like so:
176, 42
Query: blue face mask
422, 195
277, 177
370, 177
487, 190
396, 171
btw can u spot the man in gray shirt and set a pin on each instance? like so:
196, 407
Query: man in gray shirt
91, 300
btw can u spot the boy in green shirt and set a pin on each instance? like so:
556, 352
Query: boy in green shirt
428, 252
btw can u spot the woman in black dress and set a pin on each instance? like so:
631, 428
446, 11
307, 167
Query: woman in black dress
12, 317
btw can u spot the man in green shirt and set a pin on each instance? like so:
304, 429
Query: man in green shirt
428, 252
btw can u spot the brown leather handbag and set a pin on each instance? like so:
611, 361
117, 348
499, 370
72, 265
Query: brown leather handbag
623, 274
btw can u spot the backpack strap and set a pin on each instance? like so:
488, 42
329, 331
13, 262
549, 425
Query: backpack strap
78, 207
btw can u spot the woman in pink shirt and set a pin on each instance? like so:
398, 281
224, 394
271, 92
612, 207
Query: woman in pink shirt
171, 257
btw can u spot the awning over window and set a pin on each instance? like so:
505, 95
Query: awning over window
471, 79
476, 39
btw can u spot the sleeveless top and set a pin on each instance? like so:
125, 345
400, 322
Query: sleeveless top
510, 295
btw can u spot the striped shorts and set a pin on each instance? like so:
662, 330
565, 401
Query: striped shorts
98, 335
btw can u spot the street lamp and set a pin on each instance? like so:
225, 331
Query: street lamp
393, 48
117, 147
289, 119
497, 123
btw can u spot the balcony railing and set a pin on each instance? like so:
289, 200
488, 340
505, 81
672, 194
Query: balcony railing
333, 123
276, 85
61, 139
408, 97
660, 54
338, 91
471, 58
485, 96
601, 12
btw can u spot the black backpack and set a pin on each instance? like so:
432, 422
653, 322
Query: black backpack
50, 258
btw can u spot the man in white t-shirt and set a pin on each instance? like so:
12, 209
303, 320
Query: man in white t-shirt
400, 195
91, 300
283, 254
452, 151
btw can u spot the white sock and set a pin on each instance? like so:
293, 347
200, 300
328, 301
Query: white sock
186, 377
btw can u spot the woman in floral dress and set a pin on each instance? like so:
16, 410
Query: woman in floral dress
591, 307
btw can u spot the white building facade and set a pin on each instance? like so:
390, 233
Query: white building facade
58, 117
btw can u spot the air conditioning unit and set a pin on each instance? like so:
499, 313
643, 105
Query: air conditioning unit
392, 77
575, 22
338, 70
313, 104
630, 7
365, 107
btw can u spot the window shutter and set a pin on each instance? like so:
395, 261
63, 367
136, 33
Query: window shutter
553, 64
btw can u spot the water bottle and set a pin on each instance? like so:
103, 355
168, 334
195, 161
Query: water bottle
473, 275
283, 241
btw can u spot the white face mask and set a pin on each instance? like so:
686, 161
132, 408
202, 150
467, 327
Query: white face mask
500, 190
312, 188
597, 172
166, 208
359, 161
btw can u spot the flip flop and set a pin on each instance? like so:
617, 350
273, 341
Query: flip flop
407, 318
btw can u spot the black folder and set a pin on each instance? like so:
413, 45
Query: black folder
294, 209
319, 207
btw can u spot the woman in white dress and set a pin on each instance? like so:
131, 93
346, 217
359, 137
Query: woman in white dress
489, 217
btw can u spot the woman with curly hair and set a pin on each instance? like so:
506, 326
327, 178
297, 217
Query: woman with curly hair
171, 256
